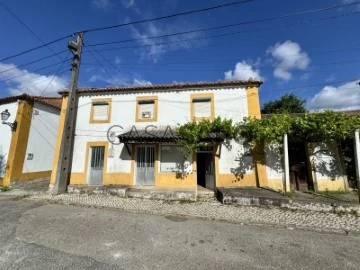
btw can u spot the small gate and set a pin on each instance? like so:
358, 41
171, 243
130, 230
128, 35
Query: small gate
96, 165
145, 159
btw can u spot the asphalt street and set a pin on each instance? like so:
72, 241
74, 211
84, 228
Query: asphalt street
35, 235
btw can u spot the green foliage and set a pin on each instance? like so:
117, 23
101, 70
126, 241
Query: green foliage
4, 188
313, 127
193, 135
328, 125
270, 129
288, 103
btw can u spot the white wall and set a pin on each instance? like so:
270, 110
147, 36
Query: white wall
173, 109
5, 133
235, 158
326, 162
42, 138
274, 166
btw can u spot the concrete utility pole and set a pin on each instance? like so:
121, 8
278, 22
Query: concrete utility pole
67, 139
357, 159
286, 164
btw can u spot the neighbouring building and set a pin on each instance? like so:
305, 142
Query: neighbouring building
126, 136
27, 137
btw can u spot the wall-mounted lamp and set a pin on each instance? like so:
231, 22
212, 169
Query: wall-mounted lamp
5, 116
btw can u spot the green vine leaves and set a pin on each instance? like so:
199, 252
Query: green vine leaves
308, 127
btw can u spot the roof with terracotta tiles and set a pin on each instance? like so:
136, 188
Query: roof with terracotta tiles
169, 87
54, 102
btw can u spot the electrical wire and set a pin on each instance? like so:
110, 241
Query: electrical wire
8, 79
221, 27
26, 26
32, 62
167, 16
35, 48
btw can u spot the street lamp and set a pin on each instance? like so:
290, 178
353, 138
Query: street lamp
5, 116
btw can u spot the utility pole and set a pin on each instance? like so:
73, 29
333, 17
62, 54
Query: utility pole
67, 139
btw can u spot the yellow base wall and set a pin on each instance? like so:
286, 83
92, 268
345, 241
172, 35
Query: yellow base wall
172, 180
34, 175
109, 179
276, 184
230, 180
330, 185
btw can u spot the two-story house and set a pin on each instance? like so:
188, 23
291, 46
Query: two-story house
127, 136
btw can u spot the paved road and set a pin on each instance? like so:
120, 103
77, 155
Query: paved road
39, 236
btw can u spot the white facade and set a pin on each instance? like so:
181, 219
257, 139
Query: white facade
173, 108
231, 162
5, 134
42, 139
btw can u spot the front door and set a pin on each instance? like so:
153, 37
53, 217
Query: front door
145, 159
96, 165
205, 170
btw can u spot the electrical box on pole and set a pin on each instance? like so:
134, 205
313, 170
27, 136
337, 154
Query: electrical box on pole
67, 139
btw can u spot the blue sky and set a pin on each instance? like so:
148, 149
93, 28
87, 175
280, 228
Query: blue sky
314, 55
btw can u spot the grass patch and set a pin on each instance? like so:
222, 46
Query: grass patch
290, 194
330, 193
4, 188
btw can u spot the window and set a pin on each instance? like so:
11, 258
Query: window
202, 106
146, 109
100, 111
172, 158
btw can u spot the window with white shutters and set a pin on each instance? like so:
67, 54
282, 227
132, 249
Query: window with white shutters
146, 109
202, 107
100, 111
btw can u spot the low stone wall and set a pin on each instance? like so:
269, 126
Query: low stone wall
131, 192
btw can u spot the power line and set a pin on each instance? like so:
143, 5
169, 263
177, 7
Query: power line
8, 79
32, 62
230, 25
35, 48
96, 59
56, 73
214, 36
26, 26
167, 16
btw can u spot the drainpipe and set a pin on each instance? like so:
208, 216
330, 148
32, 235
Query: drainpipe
357, 160
286, 164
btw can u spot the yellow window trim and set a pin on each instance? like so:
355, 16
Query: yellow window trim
153, 119
192, 108
92, 121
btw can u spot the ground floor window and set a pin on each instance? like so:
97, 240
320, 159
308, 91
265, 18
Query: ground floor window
172, 158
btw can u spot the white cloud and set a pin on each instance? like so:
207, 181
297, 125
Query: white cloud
357, 7
154, 52
288, 57
243, 71
119, 80
140, 82
343, 97
105, 5
117, 60
22, 81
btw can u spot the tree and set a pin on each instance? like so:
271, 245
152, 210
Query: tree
288, 103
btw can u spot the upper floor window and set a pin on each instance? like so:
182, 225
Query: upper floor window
146, 109
202, 106
100, 110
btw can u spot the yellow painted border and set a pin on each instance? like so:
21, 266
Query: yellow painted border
58, 140
86, 167
19, 141
253, 102
92, 121
192, 109
154, 119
